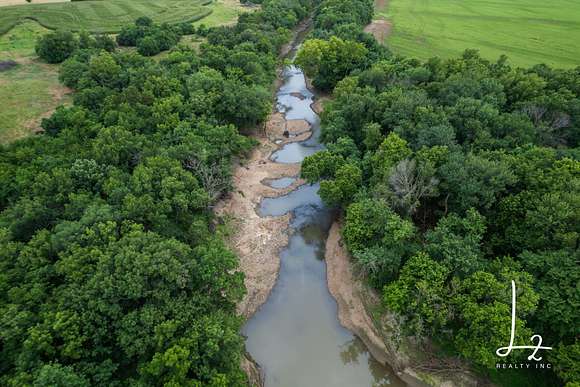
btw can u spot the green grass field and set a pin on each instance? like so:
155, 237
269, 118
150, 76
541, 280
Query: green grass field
103, 15
528, 31
30, 90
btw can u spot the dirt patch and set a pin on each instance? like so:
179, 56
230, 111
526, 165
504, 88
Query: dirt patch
5, 3
380, 5
58, 93
347, 293
354, 300
277, 126
298, 95
380, 29
318, 105
255, 373
299, 31
297, 127
259, 240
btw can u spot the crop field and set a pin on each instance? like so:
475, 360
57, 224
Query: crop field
528, 31
107, 16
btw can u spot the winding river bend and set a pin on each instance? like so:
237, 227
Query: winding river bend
295, 336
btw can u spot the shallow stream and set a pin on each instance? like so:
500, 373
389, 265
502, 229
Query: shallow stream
295, 336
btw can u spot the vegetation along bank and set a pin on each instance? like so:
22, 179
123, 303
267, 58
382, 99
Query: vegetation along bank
454, 177
113, 269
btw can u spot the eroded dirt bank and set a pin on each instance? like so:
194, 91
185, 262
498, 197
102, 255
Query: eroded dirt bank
355, 300
258, 240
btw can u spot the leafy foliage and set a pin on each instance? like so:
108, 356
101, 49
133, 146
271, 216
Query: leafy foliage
114, 272
55, 47
469, 178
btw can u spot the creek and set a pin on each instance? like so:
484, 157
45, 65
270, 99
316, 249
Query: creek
295, 336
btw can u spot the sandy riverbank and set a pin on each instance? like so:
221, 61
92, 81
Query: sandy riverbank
354, 301
258, 240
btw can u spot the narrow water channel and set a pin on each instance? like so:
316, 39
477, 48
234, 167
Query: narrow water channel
295, 336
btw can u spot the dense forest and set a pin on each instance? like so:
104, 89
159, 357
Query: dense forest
454, 177
113, 271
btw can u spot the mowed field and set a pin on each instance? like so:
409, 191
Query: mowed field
30, 90
528, 31
107, 16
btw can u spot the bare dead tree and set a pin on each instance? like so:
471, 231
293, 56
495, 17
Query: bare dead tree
410, 185
535, 113
548, 122
211, 177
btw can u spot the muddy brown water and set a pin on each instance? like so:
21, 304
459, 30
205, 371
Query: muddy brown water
295, 336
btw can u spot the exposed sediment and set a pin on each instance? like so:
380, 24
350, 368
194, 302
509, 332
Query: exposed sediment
348, 293
354, 298
258, 240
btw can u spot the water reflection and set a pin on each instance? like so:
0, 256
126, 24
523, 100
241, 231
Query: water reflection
355, 352
294, 100
281, 183
296, 336
305, 195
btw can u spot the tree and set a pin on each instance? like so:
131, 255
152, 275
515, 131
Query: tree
328, 61
144, 21
105, 42
321, 165
566, 359
104, 70
342, 189
557, 285
112, 270
392, 151
420, 295
456, 242
55, 375
148, 46
474, 181
378, 239
409, 185
484, 305
57, 46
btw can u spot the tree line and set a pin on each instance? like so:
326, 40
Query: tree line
454, 177
114, 270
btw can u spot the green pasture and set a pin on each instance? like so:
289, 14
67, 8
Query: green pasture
528, 31
107, 16
30, 90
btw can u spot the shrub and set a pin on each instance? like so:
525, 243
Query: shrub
130, 35
186, 28
105, 42
144, 21
86, 40
57, 46
148, 46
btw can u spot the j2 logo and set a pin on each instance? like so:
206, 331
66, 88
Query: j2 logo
535, 339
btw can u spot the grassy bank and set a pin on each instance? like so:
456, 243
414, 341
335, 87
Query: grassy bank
528, 31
